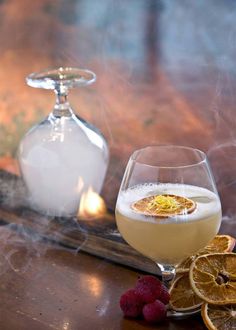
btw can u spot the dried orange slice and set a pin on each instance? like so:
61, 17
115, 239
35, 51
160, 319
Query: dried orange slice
220, 243
182, 297
164, 206
184, 266
219, 317
213, 278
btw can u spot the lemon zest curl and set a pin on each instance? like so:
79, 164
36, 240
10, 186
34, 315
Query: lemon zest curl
164, 204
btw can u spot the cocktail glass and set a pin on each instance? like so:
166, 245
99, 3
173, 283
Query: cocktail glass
168, 206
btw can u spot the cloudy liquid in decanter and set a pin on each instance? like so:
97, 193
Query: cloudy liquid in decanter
59, 161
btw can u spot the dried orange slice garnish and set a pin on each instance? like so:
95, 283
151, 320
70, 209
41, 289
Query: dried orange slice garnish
213, 278
220, 243
164, 206
182, 297
218, 317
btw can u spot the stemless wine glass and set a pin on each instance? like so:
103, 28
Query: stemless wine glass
168, 207
63, 156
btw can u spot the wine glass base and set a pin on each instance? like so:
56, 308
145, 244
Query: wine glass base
66, 77
182, 315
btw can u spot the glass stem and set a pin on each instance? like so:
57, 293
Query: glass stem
168, 273
62, 106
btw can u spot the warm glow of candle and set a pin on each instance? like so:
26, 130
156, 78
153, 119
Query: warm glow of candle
91, 205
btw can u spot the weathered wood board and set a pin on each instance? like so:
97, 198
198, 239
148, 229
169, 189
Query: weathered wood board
98, 237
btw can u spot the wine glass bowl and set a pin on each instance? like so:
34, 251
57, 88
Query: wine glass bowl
168, 207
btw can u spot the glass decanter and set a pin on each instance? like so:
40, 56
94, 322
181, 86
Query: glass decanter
63, 156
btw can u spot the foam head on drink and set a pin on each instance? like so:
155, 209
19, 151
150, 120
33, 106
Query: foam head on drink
168, 240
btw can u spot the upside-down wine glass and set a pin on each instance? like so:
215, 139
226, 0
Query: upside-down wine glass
168, 206
62, 157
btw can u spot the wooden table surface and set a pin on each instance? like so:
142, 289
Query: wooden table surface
43, 288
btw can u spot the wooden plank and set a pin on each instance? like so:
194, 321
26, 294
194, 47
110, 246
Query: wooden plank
98, 237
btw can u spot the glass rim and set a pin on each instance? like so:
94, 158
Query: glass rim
162, 146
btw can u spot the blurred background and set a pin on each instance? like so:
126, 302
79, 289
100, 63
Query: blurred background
165, 74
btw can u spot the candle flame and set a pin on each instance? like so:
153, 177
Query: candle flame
92, 205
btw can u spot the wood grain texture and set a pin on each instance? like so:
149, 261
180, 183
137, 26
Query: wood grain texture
51, 288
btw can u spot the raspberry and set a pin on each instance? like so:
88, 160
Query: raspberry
148, 288
131, 303
154, 312
164, 296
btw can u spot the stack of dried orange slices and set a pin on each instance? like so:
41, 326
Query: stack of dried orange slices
208, 280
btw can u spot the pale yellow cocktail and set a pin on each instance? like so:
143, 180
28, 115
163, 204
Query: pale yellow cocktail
168, 240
